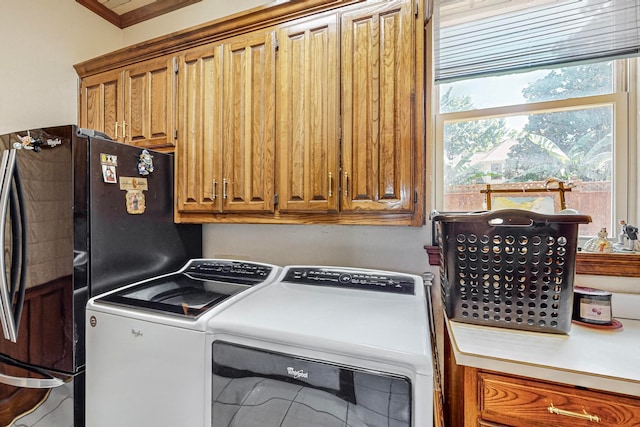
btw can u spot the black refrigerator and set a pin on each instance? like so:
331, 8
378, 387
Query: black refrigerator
81, 215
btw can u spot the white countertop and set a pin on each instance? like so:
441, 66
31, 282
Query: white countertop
595, 358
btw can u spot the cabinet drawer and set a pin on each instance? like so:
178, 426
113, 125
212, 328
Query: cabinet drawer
514, 401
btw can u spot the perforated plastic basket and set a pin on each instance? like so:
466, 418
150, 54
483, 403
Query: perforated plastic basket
509, 268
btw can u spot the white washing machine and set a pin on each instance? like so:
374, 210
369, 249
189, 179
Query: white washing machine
147, 350
324, 347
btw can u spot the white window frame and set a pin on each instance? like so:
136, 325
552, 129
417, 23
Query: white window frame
626, 156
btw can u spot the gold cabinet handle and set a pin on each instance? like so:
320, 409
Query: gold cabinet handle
330, 184
215, 189
224, 188
583, 416
124, 129
346, 184
116, 126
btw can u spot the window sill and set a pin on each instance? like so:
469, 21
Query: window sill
621, 265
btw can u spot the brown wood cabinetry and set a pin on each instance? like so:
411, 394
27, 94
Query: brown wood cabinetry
497, 399
198, 156
303, 115
481, 397
378, 121
248, 122
225, 159
102, 102
308, 114
134, 105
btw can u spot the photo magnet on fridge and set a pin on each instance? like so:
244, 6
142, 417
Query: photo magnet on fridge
109, 163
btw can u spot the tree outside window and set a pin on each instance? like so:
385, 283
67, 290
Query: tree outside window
568, 141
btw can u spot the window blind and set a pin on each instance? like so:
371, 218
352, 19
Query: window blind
489, 37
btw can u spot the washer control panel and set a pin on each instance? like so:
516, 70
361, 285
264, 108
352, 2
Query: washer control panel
228, 271
369, 280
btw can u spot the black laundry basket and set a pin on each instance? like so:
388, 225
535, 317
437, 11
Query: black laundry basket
509, 268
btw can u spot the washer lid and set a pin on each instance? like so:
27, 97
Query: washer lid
198, 287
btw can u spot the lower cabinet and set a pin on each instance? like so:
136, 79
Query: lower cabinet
480, 397
496, 399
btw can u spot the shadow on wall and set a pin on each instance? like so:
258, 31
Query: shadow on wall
380, 247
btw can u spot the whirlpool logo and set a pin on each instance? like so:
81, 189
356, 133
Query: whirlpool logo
297, 373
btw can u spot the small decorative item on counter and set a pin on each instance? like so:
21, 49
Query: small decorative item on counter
599, 244
592, 307
628, 237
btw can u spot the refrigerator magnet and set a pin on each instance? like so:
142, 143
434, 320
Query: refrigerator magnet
135, 202
109, 163
145, 164
134, 187
109, 174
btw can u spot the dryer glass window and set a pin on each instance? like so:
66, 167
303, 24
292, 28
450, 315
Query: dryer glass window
253, 387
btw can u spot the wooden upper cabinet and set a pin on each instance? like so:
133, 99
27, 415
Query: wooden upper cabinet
101, 102
149, 104
308, 115
288, 114
134, 105
378, 116
248, 123
198, 153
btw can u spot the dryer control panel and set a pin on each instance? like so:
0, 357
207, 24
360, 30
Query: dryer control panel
370, 280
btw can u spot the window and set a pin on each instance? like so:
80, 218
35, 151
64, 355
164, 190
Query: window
521, 130
531, 94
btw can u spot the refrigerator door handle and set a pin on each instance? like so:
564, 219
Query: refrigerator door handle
8, 324
50, 382
42, 378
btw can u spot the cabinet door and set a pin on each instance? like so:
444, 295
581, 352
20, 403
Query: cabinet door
198, 153
249, 123
308, 111
378, 83
101, 103
149, 93
523, 402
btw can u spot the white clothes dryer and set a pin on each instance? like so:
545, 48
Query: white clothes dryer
324, 346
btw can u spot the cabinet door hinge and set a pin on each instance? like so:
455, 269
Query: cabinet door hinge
175, 134
276, 199
276, 46
417, 8
175, 67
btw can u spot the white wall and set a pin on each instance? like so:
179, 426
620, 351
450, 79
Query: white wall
40, 40
189, 16
392, 248
384, 247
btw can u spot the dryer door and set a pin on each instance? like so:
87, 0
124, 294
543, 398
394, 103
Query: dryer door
257, 388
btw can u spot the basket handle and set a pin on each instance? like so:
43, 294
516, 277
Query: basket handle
512, 217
